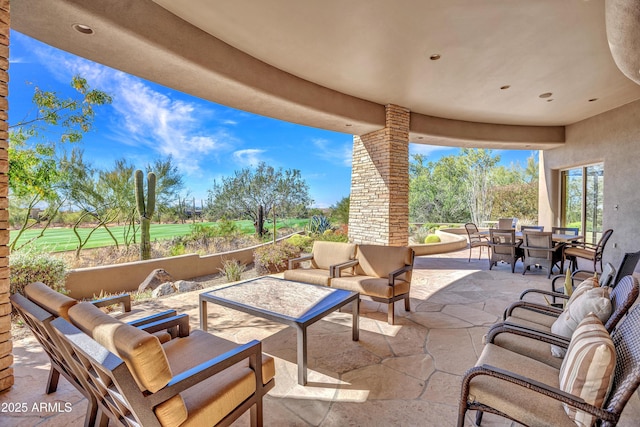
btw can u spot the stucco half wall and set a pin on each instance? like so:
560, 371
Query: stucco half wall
126, 277
450, 240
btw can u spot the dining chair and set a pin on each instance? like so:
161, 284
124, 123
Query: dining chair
524, 228
539, 250
476, 239
565, 230
505, 247
587, 251
506, 223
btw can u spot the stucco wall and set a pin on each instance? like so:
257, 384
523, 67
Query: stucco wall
126, 277
612, 138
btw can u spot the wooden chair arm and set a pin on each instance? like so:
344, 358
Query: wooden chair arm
294, 261
524, 331
124, 299
181, 322
201, 372
539, 308
336, 270
153, 318
535, 386
398, 272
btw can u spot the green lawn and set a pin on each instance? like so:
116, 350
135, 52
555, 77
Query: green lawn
63, 239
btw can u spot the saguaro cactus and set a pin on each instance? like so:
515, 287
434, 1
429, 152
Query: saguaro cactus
145, 210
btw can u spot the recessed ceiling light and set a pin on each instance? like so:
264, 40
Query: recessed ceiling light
505, 87
81, 28
593, 99
435, 57
545, 95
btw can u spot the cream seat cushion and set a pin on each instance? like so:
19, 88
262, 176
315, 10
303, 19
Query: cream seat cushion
371, 286
211, 400
528, 347
519, 313
309, 275
525, 405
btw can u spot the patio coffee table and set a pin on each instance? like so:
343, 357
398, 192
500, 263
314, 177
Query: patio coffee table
292, 303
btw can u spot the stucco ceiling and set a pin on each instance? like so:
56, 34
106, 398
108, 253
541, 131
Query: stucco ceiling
336, 63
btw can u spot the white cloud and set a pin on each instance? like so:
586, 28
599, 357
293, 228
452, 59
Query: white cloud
248, 157
146, 117
426, 149
342, 154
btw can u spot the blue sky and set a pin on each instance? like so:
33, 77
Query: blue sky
147, 121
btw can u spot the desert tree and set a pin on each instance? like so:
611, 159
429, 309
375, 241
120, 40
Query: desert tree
34, 143
254, 193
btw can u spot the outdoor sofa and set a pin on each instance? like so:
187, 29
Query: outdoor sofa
379, 273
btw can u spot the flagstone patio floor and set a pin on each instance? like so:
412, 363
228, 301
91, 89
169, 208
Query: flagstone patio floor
407, 374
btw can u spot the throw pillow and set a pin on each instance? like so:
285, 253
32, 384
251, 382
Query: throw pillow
587, 371
583, 287
594, 300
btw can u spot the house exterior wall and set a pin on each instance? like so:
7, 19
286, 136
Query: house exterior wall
612, 138
6, 357
379, 201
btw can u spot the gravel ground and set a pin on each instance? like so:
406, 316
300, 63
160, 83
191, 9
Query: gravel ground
20, 330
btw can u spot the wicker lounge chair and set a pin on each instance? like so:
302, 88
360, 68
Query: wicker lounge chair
627, 266
529, 392
538, 318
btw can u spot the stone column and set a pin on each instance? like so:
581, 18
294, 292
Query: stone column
6, 358
379, 201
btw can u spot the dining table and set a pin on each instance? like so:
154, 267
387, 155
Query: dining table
558, 238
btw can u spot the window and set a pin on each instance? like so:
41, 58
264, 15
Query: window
582, 200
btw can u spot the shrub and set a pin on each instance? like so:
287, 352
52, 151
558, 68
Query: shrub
319, 224
201, 231
27, 267
421, 234
177, 249
302, 242
273, 258
333, 237
227, 228
432, 238
232, 269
